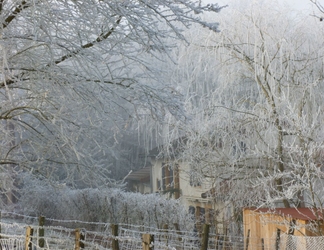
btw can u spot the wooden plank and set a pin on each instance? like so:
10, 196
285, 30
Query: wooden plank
148, 242
79, 237
28, 240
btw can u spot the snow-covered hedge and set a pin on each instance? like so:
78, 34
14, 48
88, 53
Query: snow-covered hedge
103, 205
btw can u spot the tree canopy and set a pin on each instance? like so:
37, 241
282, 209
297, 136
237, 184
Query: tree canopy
75, 75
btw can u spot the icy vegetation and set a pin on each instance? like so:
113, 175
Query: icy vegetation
103, 205
254, 102
77, 77
88, 88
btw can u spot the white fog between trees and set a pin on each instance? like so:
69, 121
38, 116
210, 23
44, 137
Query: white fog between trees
88, 88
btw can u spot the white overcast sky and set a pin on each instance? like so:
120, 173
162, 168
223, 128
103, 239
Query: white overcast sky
300, 5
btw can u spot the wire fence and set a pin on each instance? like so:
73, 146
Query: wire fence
291, 242
11, 243
25, 233
74, 234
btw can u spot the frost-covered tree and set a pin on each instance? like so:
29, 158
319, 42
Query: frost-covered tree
73, 76
256, 116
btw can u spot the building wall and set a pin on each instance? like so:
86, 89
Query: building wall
206, 210
188, 191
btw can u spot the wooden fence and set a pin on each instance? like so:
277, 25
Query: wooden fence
115, 237
53, 236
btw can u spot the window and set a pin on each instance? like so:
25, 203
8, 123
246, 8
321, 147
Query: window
192, 210
219, 143
243, 147
239, 148
201, 215
194, 179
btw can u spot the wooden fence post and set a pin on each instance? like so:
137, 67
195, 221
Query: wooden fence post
177, 227
247, 240
115, 243
28, 240
165, 233
205, 236
41, 231
148, 242
79, 237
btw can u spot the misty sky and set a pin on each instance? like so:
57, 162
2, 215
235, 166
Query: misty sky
300, 5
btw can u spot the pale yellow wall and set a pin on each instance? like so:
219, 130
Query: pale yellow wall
187, 190
190, 195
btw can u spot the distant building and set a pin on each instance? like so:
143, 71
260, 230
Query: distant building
174, 181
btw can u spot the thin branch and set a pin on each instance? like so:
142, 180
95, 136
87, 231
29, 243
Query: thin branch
99, 39
13, 15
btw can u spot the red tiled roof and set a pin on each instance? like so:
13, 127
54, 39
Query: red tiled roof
303, 213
